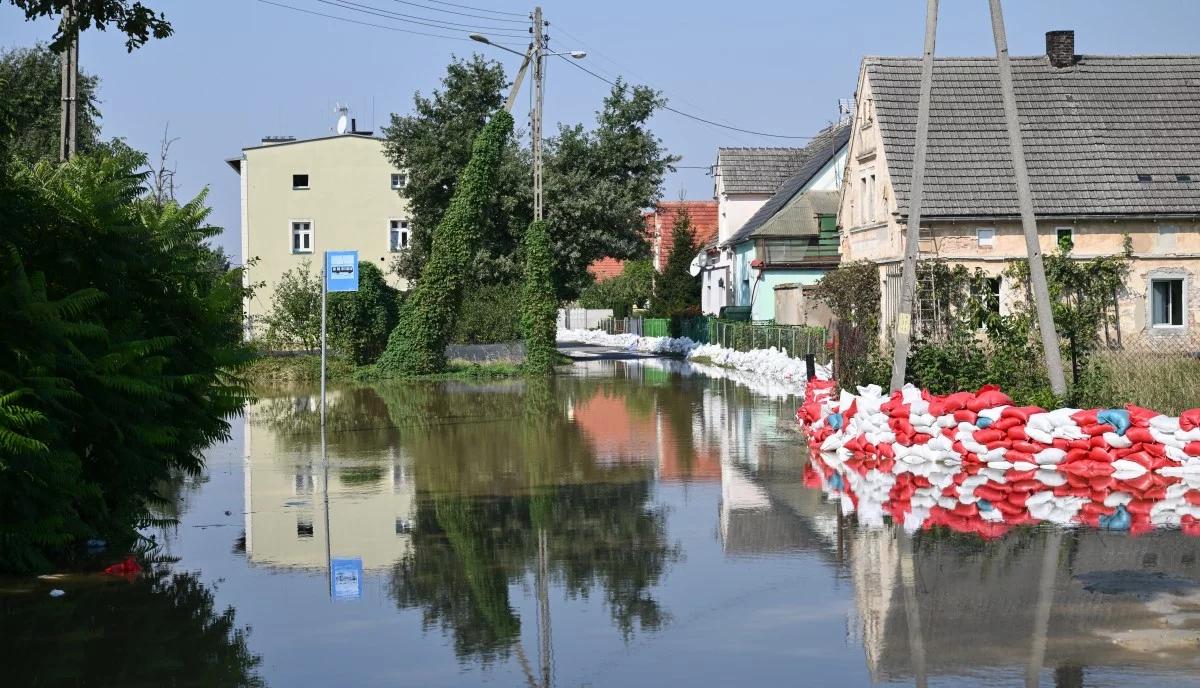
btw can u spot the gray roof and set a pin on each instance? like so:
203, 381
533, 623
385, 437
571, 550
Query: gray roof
764, 170
1089, 130
824, 147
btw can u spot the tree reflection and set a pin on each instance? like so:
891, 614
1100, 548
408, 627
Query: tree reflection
162, 629
488, 482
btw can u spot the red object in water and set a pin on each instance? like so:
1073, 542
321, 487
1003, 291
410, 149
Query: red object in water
126, 567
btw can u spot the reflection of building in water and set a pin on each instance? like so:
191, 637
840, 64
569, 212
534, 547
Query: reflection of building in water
1105, 599
370, 490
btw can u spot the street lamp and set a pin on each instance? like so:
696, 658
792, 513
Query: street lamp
536, 54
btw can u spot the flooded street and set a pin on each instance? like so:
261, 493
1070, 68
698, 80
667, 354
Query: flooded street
631, 523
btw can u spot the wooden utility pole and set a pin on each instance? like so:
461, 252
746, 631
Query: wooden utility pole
912, 240
1037, 272
70, 79
535, 124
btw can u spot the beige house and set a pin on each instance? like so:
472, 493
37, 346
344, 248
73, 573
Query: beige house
303, 197
1112, 147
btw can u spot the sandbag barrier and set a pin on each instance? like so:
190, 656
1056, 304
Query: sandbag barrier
976, 463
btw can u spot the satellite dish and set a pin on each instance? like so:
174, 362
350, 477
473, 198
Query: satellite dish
343, 123
696, 266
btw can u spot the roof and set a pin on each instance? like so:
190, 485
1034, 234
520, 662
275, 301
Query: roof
236, 163
796, 219
764, 170
606, 268
824, 147
703, 215
1089, 130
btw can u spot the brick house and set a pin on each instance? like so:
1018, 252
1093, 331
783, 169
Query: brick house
660, 232
1113, 150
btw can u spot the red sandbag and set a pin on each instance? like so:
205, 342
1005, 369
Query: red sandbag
1098, 428
1025, 446
1138, 416
1017, 432
988, 435
1192, 448
1021, 413
1004, 424
1139, 435
988, 398
1085, 417
965, 416
957, 401
1190, 419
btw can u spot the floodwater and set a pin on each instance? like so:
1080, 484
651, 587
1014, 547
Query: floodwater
631, 523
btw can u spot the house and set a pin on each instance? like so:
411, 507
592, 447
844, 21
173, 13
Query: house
660, 232
792, 239
303, 197
1112, 147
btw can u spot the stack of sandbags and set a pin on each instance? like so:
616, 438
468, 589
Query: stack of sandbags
975, 462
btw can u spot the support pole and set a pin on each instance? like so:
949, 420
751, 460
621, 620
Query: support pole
535, 128
1037, 272
69, 86
912, 241
324, 298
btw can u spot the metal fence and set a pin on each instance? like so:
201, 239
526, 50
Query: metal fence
582, 318
1156, 371
795, 340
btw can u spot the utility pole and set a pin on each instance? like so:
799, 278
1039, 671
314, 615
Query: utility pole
70, 78
1037, 272
912, 240
535, 124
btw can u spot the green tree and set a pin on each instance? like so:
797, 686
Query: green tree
596, 182
360, 322
540, 309
632, 288
427, 319
677, 290
138, 22
294, 321
30, 81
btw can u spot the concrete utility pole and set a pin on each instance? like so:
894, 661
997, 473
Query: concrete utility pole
70, 79
912, 240
1037, 272
535, 118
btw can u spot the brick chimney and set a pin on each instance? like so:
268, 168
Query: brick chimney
1060, 48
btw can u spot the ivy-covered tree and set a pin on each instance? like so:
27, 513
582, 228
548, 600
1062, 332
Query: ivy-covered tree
30, 81
539, 310
677, 289
427, 319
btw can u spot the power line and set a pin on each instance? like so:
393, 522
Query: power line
688, 114
362, 23
525, 17
412, 19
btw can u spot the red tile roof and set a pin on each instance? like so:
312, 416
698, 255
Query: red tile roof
606, 268
704, 225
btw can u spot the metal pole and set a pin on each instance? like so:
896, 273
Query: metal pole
535, 129
1037, 272
325, 491
324, 293
912, 240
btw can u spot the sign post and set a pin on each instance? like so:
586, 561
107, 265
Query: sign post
340, 274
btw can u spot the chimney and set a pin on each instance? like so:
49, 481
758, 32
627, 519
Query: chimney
353, 125
1060, 48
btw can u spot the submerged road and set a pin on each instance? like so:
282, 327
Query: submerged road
594, 352
514, 352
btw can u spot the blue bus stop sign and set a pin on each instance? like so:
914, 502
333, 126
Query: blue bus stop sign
341, 271
346, 578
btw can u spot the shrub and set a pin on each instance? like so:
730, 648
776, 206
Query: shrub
427, 319
488, 315
632, 288
359, 322
294, 321
540, 311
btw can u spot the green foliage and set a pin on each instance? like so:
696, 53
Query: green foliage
677, 290
632, 288
359, 322
427, 320
30, 79
486, 316
294, 321
119, 338
596, 182
852, 292
540, 309
138, 22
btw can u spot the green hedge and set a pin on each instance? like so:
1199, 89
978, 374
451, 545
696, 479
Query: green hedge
488, 315
361, 321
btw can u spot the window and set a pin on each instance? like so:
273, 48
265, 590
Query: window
1065, 237
1166, 302
299, 181
986, 237
398, 181
1145, 178
1183, 177
304, 527
398, 235
862, 201
989, 299
871, 200
302, 236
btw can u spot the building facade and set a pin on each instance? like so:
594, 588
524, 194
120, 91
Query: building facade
303, 197
1112, 150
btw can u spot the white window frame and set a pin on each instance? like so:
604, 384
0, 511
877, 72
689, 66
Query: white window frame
403, 180
989, 241
1183, 311
312, 236
405, 230
306, 187
1070, 230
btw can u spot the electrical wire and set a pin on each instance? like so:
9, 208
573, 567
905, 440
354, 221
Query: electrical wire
422, 21
364, 23
468, 7
688, 114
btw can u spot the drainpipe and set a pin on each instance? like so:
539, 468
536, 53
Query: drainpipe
756, 265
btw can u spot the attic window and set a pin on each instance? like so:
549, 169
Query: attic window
1183, 177
299, 181
1145, 178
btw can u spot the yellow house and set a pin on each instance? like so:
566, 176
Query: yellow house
1112, 147
303, 197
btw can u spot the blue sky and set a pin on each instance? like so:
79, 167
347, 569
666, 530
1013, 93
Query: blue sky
236, 70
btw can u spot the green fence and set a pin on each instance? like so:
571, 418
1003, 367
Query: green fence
655, 327
795, 340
